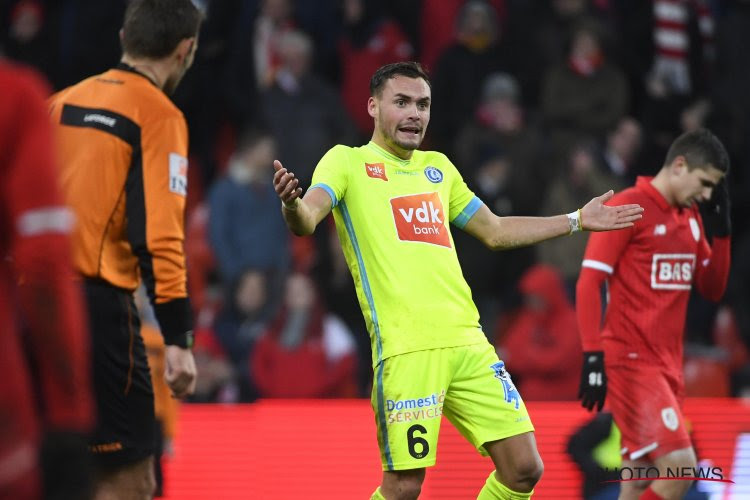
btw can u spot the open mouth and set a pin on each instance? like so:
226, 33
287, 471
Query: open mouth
410, 130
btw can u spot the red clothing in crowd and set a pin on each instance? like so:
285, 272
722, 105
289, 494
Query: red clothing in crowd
387, 45
543, 340
321, 364
36, 290
650, 269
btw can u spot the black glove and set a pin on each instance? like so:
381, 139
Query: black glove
66, 466
716, 211
593, 388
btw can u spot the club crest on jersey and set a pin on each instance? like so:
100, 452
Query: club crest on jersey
433, 174
695, 229
672, 271
660, 230
376, 171
669, 417
420, 218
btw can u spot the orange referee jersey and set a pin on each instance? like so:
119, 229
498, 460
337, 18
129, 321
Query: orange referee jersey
123, 154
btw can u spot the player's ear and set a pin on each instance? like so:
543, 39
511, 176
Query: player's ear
372, 107
679, 165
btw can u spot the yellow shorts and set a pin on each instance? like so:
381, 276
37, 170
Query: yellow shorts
467, 384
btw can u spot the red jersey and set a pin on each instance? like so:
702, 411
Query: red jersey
650, 269
36, 285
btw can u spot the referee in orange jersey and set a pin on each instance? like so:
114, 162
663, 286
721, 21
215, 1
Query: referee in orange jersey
123, 152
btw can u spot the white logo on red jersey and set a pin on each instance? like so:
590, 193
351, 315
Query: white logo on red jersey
376, 171
420, 217
669, 417
672, 271
660, 230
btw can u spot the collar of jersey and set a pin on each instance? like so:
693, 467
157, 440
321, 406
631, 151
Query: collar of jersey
644, 183
389, 156
129, 69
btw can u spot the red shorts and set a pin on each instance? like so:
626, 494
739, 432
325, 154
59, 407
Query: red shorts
646, 403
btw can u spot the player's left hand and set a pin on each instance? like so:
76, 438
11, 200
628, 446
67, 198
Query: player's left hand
716, 211
596, 216
180, 372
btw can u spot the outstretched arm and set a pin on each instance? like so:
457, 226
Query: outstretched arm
301, 215
501, 233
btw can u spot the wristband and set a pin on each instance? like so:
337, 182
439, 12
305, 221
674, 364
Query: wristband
176, 322
574, 221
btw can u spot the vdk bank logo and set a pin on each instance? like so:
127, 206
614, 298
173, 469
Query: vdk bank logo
421, 218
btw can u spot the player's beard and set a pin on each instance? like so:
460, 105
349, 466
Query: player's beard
406, 145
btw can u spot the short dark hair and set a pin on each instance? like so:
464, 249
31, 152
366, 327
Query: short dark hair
409, 69
153, 28
701, 149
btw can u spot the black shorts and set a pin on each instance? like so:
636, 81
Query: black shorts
122, 381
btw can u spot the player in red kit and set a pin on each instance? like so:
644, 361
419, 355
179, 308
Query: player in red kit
635, 358
38, 295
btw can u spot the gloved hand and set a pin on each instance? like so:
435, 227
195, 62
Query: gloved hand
716, 211
593, 388
66, 466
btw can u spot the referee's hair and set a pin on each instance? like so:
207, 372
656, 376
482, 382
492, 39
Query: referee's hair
152, 29
701, 149
409, 69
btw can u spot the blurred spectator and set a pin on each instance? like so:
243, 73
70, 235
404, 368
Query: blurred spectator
437, 24
543, 339
306, 352
218, 382
493, 280
273, 21
501, 124
241, 323
245, 226
585, 94
461, 68
305, 113
620, 151
370, 40
338, 295
580, 181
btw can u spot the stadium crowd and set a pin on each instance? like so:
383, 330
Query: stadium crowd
541, 104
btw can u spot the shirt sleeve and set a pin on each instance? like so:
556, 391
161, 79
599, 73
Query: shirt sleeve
332, 174
156, 211
49, 299
712, 266
603, 251
463, 202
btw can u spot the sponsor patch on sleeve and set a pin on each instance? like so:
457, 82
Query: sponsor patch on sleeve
178, 166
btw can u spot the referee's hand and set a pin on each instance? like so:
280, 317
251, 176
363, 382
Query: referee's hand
593, 388
180, 372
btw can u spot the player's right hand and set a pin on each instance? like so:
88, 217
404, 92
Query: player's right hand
716, 210
593, 388
179, 371
286, 185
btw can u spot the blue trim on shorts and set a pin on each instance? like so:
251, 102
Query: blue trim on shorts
373, 314
467, 213
328, 190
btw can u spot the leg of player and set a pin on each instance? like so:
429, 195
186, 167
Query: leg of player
518, 468
632, 490
674, 461
132, 482
400, 485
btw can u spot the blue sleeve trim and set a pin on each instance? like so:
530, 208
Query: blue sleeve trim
327, 189
467, 213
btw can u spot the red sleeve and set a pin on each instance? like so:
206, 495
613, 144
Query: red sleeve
712, 269
600, 260
51, 303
